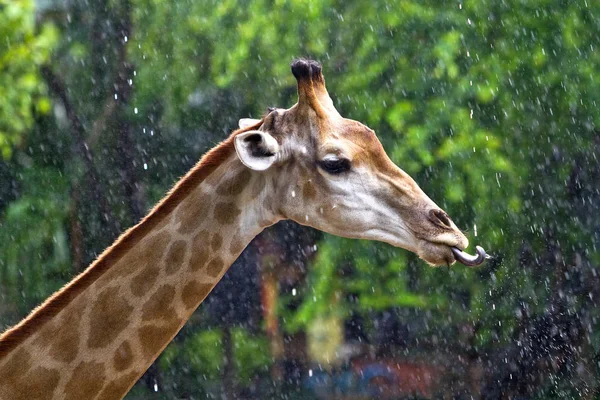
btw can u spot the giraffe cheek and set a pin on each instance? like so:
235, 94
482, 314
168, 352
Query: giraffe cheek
309, 192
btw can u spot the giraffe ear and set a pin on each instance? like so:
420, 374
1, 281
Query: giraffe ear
256, 149
247, 122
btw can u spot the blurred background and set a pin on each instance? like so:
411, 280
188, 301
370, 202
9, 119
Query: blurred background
492, 106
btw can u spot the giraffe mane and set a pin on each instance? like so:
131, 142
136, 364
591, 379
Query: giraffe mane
12, 337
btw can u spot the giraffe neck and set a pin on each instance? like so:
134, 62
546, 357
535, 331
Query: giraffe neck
108, 333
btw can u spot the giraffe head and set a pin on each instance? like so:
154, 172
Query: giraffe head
332, 173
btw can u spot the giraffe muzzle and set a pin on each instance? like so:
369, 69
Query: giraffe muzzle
469, 260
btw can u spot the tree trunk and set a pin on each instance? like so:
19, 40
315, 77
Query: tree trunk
270, 299
228, 365
76, 232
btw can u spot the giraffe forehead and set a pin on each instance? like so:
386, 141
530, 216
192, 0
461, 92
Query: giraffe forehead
307, 131
358, 143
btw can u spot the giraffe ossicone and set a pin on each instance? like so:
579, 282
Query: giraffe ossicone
96, 336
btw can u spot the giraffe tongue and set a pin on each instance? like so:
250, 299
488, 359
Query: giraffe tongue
469, 260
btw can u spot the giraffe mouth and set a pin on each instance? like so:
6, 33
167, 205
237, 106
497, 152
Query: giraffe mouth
468, 259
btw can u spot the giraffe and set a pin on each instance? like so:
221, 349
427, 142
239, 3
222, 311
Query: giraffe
96, 336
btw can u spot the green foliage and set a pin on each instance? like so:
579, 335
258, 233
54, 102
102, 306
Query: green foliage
23, 49
491, 106
203, 355
251, 355
40, 264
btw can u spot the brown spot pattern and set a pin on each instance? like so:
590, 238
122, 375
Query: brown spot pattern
194, 292
226, 212
144, 280
65, 345
175, 256
308, 191
216, 242
198, 259
236, 245
159, 305
109, 317
63, 335
46, 333
118, 388
133, 261
16, 367
19, 382
216, 178
154, 338
214, 267
268, 200
154, 250
86, 382
103, 266
258, 185
40, 384
191, 215
235, 185
199, 251
123, 357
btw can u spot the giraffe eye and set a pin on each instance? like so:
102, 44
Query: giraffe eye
335, 165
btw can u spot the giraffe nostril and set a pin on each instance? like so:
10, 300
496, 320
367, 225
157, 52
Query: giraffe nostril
440, 218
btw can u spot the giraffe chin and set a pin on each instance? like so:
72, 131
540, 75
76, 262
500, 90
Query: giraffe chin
435, 254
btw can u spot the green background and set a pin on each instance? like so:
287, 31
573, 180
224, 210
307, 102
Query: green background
492, 106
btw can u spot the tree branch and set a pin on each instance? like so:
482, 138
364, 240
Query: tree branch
58, 88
